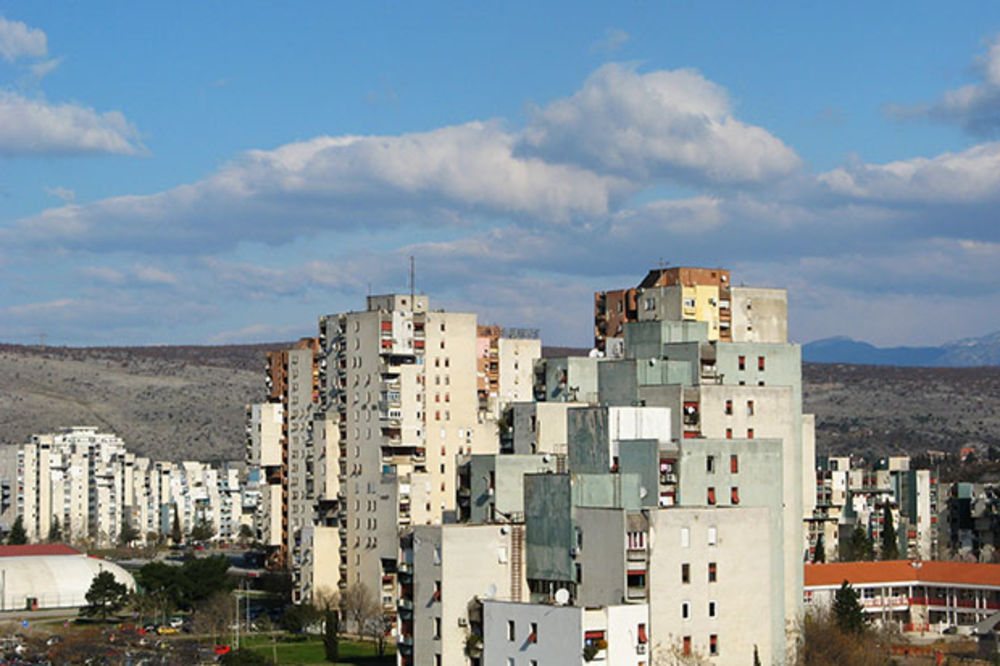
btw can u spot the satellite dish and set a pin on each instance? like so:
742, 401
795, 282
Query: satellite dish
562, 596
491, 591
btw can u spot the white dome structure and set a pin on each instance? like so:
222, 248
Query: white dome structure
41, 576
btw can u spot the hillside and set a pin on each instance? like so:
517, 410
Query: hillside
188, 402
168, 402
970, 352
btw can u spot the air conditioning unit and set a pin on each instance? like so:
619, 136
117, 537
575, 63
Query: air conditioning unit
640, 649
462, 622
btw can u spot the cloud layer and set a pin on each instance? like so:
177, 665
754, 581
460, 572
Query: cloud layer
17, 40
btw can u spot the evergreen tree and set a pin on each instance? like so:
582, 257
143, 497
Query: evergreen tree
128, 533
55, 531
819, 553
106, 595
890, 546
331, 635
859, 547
17, 536
176, 536
756, 657
847, 610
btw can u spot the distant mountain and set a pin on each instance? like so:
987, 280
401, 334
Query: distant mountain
971, 352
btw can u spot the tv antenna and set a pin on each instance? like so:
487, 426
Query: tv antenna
413, 271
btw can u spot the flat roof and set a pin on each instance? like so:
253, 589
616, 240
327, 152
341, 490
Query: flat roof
902, 571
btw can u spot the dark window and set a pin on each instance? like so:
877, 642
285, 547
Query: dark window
685, 573
713, 572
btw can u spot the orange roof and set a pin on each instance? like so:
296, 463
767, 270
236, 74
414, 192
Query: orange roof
899, 571
35, 549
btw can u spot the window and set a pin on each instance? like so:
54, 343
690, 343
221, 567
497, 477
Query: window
713, 645
711, 609
713, 535
710, 464
437, 660
685, 537
729, 433
734, 464
533, 636
686, 610
510, 631
749, 407
734, 495
437, 628
749, 433
642, 633
711, 495
685, 573
437, 584
713, 572
760, 362
686, 646
742, 362
729, 406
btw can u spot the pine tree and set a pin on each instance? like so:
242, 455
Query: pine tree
819, 554
106, 595
756, 657
55, 530
331, 635
17, 536
859, 547
176, 535
890, 547
847, 610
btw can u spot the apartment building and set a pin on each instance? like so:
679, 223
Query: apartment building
89, 486
849, 496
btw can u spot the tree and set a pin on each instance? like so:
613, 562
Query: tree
890, 546
848, 614
299, 617
822, 643
214, 615
176, 536
819, 554
359, 606
756, 657
327, 602
128, 533
859, 546
17, 536
106, 595
202, 531
331, 635
55, 530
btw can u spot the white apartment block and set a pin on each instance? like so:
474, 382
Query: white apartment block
93, 487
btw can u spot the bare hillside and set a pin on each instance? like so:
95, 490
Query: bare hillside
188, 402
884, 409
166, 402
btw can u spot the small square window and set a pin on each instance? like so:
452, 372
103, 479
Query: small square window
729, 406
760, 362
742, 362
713, 645
711, 609
710, 464
510, 631
750, 408
734, 495
711, 496
713, 572
734, 464
686, 610
685, 573
729, 433
686, 646
749, 433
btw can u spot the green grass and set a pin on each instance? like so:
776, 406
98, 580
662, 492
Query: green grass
310, 651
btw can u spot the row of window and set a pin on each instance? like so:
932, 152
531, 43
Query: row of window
713, 645
713, 536
750, 407
734, 463
741, 363
713, 575
734, 495
686, 610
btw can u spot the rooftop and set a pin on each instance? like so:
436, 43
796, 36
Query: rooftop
37, 549
902, 571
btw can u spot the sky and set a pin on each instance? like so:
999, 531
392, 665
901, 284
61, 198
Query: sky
221, 172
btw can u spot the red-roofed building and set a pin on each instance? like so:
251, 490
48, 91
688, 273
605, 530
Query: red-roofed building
917, 596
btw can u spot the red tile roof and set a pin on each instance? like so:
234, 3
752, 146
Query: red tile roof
34, 549
900, 571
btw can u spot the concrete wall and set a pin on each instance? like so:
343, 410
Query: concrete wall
742, 591
759, 315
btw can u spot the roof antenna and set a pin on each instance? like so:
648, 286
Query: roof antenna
412, 277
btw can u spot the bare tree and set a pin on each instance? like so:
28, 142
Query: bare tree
359, 607
215, 615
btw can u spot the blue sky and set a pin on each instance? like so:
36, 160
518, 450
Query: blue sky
226, 172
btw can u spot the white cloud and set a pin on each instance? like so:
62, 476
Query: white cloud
664, 125
975, 107
64, 193
443, 177
17, 40
40, 70
35, 127
151, 275
968, 177
613, 40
